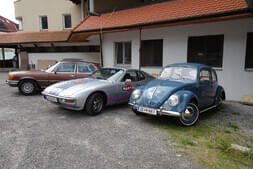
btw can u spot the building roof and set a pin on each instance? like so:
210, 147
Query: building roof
164, 12
7, 25
34, 37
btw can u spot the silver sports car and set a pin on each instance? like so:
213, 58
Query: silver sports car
106, 86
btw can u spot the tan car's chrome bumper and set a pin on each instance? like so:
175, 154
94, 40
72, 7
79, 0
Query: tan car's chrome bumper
12, 83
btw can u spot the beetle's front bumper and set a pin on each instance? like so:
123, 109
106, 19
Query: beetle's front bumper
60, 101
160, 112
12, 83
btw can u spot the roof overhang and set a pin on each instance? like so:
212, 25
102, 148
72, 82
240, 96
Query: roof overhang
116, 21
22, 38
161, 24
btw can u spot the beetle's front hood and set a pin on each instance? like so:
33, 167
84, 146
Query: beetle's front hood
72, 87
156, 92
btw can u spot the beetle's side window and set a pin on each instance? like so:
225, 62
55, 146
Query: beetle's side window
214, 76
205, 76
131, 75
66, 68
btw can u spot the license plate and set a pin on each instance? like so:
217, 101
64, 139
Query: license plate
52, 99
147, 110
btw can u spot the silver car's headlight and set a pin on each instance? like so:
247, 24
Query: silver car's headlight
67, 101
136, 94
173, 100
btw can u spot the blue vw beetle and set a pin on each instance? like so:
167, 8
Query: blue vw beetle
182, 90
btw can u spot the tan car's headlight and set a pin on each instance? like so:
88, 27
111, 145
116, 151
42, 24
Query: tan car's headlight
173, 100
136, 94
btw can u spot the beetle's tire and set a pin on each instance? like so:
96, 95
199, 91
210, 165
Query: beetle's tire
27, 87
94, 104
220, 101
190, 116
136, 112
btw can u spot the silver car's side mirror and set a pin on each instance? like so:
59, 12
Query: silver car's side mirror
128, 80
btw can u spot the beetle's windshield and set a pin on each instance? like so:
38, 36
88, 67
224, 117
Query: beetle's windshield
110, 74
179, 73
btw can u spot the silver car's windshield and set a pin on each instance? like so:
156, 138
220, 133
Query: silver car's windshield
179, 73
110, 74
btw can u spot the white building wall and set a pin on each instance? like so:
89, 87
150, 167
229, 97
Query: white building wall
89, 57
236, 80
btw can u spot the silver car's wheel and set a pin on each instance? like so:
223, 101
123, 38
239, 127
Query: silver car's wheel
190, 116
95, 104
27, 87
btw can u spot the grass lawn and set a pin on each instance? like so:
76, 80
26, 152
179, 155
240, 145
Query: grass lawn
209, 142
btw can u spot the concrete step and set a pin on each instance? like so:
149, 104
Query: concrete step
248, 100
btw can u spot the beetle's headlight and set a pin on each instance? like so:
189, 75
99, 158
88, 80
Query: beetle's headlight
136, 94
173, 100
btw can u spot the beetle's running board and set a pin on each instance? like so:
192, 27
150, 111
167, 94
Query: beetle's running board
209, 108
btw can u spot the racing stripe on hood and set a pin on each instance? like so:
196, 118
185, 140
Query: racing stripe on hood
69, 85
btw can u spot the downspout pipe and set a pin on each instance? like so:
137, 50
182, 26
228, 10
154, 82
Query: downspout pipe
82, 9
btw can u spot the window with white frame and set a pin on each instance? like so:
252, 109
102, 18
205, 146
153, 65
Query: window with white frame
20, 23
67, 23
43, 23
123, 53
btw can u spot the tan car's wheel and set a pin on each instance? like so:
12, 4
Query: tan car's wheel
27, 87
94, 104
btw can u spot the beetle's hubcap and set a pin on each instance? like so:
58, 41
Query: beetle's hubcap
188, 113
28, 87
98, 104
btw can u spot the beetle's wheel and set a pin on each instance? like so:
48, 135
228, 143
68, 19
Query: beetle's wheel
191, 115
220, 99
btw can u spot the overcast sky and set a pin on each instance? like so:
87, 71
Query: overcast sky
7, 9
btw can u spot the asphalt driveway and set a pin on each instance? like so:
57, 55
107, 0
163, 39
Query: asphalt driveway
37, 134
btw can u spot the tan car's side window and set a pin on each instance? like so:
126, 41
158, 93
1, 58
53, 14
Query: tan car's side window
86, 68
66, 68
